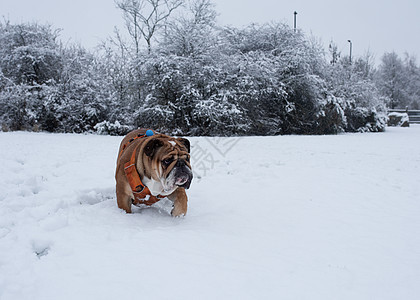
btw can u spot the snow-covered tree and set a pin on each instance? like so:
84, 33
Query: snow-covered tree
334, 53
201, 80
391, 73
399, 80
29, 53
412, 75
193, 33
30, 65
357, 95
145, 17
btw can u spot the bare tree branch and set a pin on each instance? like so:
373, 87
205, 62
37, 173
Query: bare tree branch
144, 17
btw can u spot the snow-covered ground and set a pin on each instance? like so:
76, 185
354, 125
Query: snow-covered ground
287, 217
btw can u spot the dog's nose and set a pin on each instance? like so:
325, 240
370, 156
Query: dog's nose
180, 163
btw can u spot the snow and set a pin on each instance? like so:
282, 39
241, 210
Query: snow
286, 217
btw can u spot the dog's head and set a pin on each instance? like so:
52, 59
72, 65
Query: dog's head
168, 161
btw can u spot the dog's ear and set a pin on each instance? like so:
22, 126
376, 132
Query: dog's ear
152, 146
186, 143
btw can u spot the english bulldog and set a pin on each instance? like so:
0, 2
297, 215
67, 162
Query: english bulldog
152, 166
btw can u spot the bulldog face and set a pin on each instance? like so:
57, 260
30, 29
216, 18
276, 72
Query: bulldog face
170, 162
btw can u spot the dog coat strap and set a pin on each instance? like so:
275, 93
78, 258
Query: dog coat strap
139, 136
146, 201
132, 174
142, 194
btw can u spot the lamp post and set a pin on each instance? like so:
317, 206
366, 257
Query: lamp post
351, 45
294, 27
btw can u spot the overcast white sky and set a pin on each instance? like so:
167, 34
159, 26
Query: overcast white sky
378, 25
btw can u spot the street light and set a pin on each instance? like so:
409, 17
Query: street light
295, 13
351, 45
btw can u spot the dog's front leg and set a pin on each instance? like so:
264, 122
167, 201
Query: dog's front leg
179, 197
124, 196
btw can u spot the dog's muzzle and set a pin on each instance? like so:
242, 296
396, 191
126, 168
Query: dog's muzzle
183, 174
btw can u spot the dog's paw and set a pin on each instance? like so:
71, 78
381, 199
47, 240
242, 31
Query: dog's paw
178, 212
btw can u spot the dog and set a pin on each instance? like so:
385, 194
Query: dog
150, 167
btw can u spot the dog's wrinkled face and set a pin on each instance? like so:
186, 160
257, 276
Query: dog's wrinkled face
169, 160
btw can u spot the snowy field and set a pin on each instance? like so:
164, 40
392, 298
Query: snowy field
287, 217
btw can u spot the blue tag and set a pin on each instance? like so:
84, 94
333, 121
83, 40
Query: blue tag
149, 132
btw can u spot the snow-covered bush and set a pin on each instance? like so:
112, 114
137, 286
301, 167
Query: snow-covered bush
200, 80
184, 96
398, 119
108, 128
44, 86
331, 119
29, 53
364, 107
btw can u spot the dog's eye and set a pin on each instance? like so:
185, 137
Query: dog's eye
188, 159
167, 161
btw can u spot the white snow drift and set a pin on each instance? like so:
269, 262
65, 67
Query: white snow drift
287, 217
